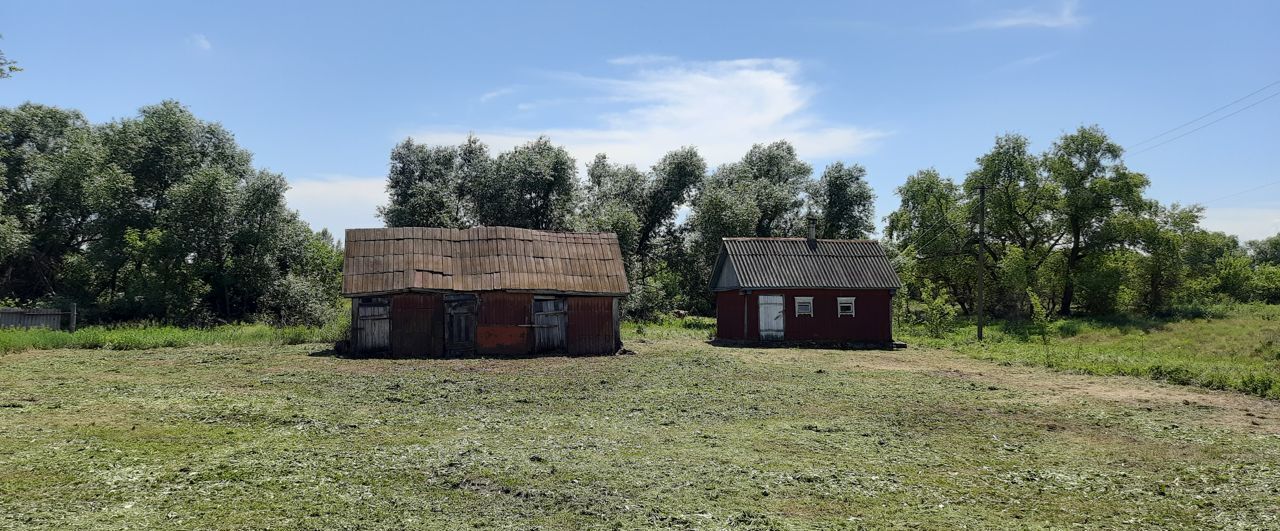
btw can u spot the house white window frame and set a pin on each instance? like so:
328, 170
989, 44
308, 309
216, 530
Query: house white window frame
804, 300
853, 306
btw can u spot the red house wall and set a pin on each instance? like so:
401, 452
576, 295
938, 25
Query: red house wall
590, 327
872, 322
502, 319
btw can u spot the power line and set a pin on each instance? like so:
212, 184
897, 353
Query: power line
1206, 115
1224, 117
1259, 187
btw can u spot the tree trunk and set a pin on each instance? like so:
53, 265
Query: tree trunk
1069, 284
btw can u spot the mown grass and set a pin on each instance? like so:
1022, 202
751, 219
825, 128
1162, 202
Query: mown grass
1236, 348
679, 435
138, 336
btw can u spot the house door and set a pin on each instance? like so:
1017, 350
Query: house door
373, 325
771, 319
549, 320
460, 325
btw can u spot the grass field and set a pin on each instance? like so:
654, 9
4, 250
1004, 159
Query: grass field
679, 435
1235, 348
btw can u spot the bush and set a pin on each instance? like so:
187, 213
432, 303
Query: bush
297, 301
939, 315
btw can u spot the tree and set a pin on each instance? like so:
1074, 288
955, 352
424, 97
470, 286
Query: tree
1096, 188
533, 186
931, 227
843, 202
7, 66
159, 216
1266, 250
425, 186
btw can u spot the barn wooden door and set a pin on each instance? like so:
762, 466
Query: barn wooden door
772, 322
460, 325
373, 324
549, 319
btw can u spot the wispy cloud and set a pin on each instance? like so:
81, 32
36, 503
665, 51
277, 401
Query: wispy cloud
497, 93
641, 59
722, 107
1065, 16
199, 41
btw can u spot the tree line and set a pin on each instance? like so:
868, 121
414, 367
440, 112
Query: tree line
536, 185
1068, 230
160, 216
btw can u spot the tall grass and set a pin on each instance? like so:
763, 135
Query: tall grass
141, 336
1236, 348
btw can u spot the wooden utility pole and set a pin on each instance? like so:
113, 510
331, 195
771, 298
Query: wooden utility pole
982, 256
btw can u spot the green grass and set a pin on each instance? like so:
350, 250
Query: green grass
679, 435
1236, 348
147, 336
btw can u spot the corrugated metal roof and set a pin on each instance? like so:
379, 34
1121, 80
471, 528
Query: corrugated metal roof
790, 263
389, 260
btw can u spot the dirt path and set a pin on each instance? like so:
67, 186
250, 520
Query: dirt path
1225, 409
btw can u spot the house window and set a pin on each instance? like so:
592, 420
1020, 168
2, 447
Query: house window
804, 306
845, 306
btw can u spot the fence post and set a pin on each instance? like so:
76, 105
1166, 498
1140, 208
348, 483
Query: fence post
73, 317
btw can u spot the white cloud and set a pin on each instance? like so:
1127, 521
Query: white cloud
1064, 17
338, 202
1249, 223
722, 107
199, 42
496, 93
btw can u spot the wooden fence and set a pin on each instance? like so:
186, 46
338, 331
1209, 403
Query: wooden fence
38, 318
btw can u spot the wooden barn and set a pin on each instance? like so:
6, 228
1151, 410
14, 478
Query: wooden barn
482, 291
804, 289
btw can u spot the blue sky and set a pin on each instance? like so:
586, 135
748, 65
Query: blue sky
322, 91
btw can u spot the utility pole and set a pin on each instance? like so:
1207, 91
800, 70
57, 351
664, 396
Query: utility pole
982, 255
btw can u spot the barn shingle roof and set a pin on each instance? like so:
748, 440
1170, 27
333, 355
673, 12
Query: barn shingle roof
761, 263
390, 260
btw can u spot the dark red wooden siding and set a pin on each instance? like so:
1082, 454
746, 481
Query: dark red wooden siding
872, 323
590, 328
502, 315
418, 322
417, 325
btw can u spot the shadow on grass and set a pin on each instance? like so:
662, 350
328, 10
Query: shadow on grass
333, 353
821, 345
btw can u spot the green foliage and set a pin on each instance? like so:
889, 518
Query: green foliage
141, 336
1039, 317
160, 216
1266, 250
7, 66
843, 202
939, 315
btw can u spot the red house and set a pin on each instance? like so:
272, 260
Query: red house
804, 289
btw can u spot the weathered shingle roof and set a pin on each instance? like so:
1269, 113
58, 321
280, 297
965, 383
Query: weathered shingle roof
389, 260
761, 263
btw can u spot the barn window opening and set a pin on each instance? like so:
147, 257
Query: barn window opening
845, 306
804, 306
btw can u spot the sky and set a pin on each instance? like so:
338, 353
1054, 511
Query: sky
322, 91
